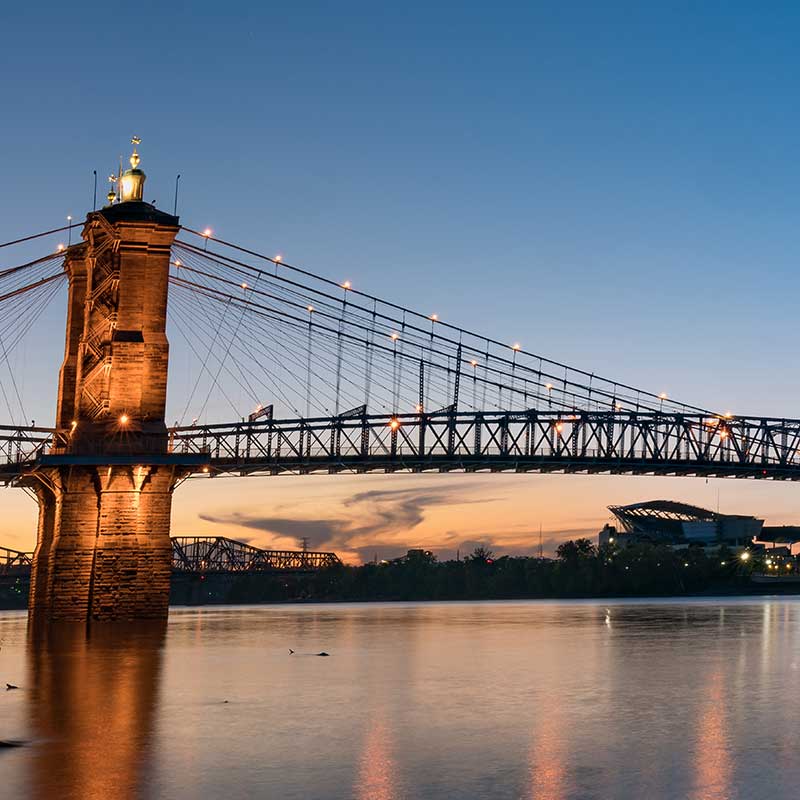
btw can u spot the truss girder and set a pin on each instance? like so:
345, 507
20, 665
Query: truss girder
196, 554
591, 441
633, 442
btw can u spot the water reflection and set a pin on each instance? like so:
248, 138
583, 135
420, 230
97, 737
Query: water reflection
548, 701
548, 755
377, 778
712, 755
92, 701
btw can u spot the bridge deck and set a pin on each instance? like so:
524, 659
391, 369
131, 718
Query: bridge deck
646, 443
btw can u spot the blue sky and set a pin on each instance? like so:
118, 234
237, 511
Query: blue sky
611, 184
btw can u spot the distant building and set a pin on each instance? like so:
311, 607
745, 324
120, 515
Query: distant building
679, 524
608, 535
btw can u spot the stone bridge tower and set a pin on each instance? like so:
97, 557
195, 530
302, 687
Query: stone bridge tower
105, 489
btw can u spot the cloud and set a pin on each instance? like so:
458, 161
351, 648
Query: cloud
374, 522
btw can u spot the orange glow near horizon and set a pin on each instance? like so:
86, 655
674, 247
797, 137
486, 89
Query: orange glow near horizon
357, 516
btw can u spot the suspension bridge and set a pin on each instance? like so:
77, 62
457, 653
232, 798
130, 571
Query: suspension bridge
313, 375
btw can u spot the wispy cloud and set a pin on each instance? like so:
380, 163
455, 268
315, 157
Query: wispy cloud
374, 522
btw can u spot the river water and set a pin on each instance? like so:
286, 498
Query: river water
547, 700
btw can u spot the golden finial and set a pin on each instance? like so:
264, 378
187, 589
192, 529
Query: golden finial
135, 141
112, 195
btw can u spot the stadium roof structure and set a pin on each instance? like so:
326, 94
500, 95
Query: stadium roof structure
665, 510
670, 521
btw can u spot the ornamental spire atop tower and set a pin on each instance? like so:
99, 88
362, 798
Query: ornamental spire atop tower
132, 180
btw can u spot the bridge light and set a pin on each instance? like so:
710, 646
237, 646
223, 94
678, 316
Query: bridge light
434, 317
278, 258
516, 346
394, 423
558, 425
662, 396
744, 556
548, 386
473, 363
61, 248
177, 262
394, 337
124, 419
419, 408
723, 434
245, 286
207, 233
347, 285
310, 309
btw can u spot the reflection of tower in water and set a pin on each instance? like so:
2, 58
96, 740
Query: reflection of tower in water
91, 708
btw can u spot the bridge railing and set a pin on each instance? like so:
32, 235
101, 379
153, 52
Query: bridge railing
472, 440
585, 440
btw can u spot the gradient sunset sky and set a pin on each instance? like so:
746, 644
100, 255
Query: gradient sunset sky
613, 185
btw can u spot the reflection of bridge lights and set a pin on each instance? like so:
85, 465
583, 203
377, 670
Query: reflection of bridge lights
206, 469
74, 424
394, 423
124, 419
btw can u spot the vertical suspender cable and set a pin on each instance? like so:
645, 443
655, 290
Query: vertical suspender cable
369, 347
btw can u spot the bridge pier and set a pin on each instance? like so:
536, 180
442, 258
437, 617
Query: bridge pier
105, 487
103, 548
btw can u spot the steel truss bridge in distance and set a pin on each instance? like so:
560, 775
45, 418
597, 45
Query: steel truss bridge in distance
209, 554
218, 554
14, 562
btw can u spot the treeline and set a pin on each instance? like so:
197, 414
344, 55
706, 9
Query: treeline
579, 570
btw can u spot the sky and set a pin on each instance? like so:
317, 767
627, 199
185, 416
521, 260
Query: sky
613, 185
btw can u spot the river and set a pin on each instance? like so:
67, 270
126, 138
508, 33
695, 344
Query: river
426, 701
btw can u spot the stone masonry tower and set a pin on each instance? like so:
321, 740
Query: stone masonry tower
105, 489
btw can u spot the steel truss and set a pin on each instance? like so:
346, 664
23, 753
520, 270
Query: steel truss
530, 441
220, 554
14, 561
652, 442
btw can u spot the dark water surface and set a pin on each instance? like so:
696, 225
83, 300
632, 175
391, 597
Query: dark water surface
548, 700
